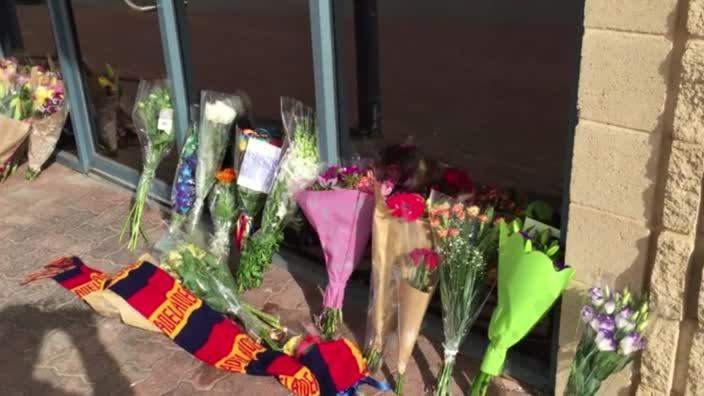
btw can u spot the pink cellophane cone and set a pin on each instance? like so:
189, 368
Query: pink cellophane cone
343, 221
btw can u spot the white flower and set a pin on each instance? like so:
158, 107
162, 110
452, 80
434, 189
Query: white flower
219, 112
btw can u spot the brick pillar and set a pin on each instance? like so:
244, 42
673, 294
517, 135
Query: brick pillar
622, 134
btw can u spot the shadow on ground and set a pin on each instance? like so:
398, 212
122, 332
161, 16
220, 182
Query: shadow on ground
23, 331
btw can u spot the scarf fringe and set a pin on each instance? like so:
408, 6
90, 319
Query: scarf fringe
50, 270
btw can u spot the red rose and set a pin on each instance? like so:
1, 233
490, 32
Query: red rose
406, 206
457, 181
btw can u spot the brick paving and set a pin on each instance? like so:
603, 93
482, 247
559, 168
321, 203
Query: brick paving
52, 344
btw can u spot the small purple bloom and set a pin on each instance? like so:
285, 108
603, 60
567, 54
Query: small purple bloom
625, 313
605, 341
632, 342
587, 313
624, 323
596, 296
603, 322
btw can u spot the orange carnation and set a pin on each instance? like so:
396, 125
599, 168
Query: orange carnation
226, 175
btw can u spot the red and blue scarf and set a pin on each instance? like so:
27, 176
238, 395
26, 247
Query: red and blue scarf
322, 368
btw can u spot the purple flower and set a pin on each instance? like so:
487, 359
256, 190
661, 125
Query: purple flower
625, 313
605, 341
609, 307
587, 313
624, 323
596, 296
632, 342
183, 194
603, 322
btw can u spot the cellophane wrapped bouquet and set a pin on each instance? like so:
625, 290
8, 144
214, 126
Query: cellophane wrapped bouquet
210, 279
339, 205
466, 242
218, 113
153, 118
223, 211
530, 278
297, 169
257, 155
15, 111
614, 326
49, 112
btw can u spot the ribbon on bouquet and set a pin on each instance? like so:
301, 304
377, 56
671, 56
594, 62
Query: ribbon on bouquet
243, 227
325, 368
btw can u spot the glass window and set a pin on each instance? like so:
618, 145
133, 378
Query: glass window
483, 85
132, 53
261, 47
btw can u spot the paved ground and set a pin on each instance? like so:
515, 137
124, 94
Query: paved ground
52, 344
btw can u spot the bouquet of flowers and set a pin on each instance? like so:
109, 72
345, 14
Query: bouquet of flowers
339, 206
257, 154
466, 242
153, 116
530, 278
613, 335
297, 169
208, 278
419, 276
183, 191
15, 109
218, 114
223, 209
49, 115
397, 225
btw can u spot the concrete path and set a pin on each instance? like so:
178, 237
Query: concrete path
52, 344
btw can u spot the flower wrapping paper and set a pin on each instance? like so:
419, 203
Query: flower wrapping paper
343, 221
13, 134
391, 238
44, 135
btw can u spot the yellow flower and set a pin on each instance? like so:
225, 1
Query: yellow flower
473, 211
40, 96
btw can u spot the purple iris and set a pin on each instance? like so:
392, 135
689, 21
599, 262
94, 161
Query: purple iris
183, 193
596, 296
603, 322
587, 313
632, 342
605, 341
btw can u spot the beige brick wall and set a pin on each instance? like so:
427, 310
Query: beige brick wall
622, 172
636, 187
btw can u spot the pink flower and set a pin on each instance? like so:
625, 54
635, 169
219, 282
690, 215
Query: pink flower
442, 232
387, 186
453, 232
366, 184
406, 206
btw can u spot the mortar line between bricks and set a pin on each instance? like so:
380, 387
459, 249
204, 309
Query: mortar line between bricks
631, 32
625, 128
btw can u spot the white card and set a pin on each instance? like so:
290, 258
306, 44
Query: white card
258, 166
166, 120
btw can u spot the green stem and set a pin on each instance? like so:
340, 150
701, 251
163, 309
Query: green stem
373, 359
329, 321
399, 384
270, 320
443, 387
480, 384
133, 222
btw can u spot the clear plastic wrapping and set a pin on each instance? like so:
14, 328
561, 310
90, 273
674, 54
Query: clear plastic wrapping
257, 155
218, 113
153, 120
298, 167
466, 242
223, 210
